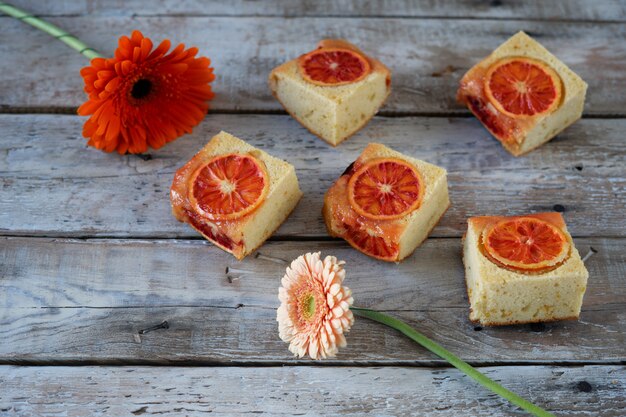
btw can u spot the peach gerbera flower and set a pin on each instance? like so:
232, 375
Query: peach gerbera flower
143, 97
315, 311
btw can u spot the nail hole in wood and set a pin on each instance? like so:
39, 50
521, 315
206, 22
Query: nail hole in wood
579, 167
584, 386
559, 208
477, 328
446, 71
140, 411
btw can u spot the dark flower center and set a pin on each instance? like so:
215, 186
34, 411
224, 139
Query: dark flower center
141, 89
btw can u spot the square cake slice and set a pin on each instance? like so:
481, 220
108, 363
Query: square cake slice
333, 90
522, 94
385, 204
233, 194
522, 269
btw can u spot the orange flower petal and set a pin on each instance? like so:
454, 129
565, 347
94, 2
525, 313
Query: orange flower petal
146, 47
160, 50
88, 108
136, 37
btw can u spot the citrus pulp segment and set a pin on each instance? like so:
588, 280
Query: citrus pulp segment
333, 66
385, 189
229, 186
526, 243
522, 87
369, 243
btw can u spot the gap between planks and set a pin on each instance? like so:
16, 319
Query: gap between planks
340, 16
268, 112
183, 239
334, 363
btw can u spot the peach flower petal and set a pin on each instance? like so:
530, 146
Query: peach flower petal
314, 312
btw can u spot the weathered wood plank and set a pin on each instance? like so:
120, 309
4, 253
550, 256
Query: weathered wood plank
308, 391
77, 300
53, 185
98, 273
249, 335
611, 10
427, 57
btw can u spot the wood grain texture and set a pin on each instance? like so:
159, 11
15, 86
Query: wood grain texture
599, 10
87, 300
427, 57
53, 185
306, 391
90, 301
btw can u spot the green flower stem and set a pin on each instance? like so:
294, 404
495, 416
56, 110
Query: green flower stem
50, 29
451, 358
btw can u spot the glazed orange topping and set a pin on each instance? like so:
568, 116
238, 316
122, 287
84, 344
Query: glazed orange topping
385, 189
370, 234
216, 235
214, 194
506, 126
367, 241
521, 87
525, 243
333, 66
229, 186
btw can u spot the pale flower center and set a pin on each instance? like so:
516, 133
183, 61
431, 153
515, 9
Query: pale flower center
385, 188
307, 306
334, 66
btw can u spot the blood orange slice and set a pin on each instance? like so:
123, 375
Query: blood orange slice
385, 189
368, 242
526, 244
229, 186
333, 66
522, 87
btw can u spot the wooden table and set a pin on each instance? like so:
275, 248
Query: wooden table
91, 258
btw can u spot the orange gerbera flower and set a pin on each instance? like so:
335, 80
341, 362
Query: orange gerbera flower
143, 97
